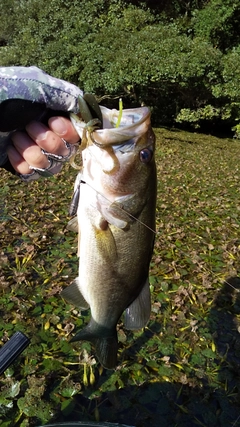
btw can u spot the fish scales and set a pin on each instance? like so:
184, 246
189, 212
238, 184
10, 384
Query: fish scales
116, 220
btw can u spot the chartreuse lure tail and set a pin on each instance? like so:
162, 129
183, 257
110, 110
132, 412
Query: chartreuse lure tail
120, 113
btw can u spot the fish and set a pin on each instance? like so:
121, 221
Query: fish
116, 196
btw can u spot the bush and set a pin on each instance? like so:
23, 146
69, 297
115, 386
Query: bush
181, 69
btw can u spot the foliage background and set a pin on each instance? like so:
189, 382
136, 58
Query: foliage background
180, 57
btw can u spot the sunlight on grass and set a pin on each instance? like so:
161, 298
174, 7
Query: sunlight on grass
183, 370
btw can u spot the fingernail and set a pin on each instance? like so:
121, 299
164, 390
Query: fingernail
58, 126
37, 131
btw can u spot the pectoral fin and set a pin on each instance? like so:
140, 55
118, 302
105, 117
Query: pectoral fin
72, 225
106, 245
138, 313
73, 295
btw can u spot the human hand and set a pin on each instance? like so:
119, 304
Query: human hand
26, 148
31, 144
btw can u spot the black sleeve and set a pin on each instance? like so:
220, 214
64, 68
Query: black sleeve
16, 114
8, 167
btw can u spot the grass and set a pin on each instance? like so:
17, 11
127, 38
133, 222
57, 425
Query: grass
183, 370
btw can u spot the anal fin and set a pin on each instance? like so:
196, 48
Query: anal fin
73, 295
138, 313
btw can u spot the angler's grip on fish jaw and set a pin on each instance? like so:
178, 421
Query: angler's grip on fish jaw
26, 148
36, 134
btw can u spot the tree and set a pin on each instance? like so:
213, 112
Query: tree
176, 57
218, 23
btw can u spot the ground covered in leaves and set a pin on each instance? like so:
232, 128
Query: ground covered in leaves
184, 369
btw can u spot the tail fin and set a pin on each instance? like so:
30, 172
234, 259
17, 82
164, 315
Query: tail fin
105, 343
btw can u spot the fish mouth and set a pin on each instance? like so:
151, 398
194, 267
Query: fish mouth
115, 141
134, 123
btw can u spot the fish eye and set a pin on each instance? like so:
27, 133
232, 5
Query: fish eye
146, 155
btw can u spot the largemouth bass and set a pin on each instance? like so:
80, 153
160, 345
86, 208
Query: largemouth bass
116, 220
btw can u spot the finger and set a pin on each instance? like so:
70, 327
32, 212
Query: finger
29, 151
46, 139
17, 161
63, 127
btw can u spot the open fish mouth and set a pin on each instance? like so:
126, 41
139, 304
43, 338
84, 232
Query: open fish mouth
112, 130
112, 127
134, 123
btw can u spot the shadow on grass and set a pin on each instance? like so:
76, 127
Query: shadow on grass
164, 404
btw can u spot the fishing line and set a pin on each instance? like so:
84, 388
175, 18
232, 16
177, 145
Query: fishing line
235, 289
119, 207
224, 281
235, 422
145, 225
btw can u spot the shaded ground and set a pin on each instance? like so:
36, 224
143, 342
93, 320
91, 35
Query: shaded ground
183, 370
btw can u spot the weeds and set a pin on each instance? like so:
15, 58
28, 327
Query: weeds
183, 369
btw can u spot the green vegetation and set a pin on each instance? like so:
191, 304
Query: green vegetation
183, 369
182, 58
